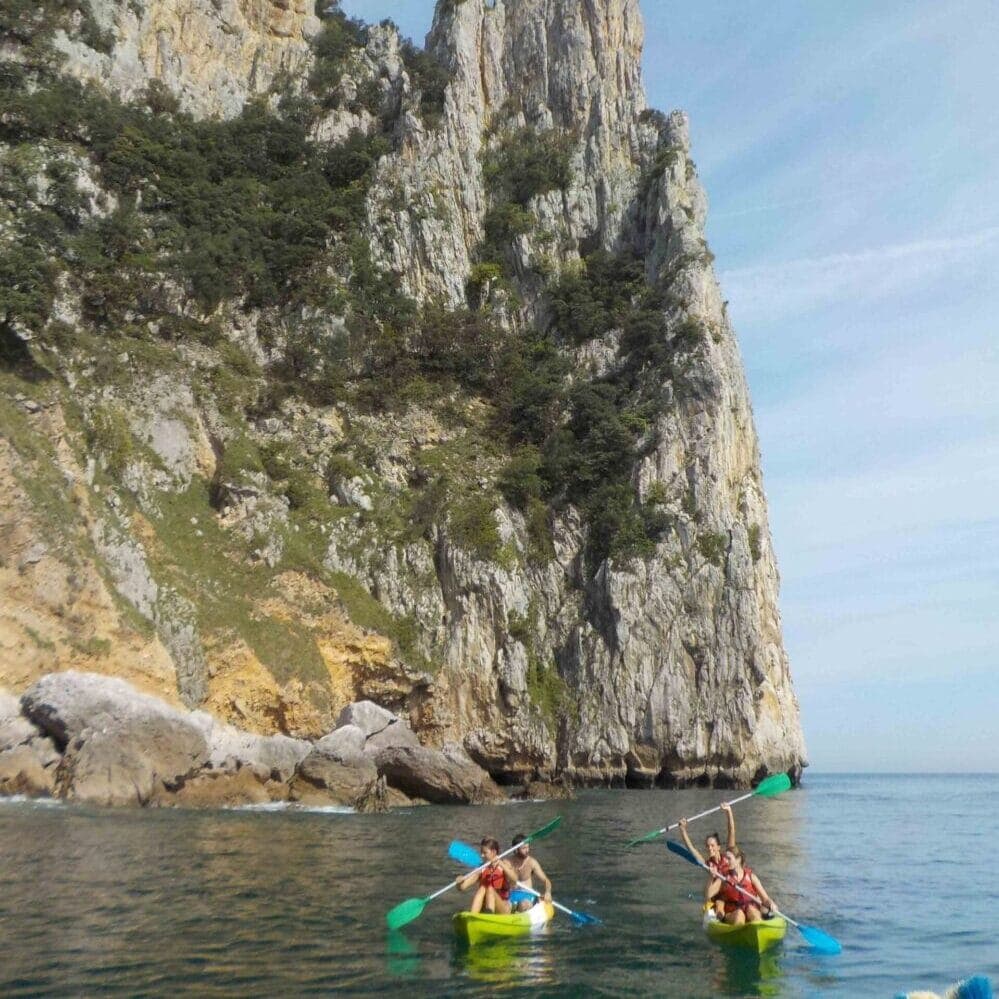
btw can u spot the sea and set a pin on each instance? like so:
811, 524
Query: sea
274, 902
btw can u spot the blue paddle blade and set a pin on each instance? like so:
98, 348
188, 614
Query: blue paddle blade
464, 854
681, 851
819, 941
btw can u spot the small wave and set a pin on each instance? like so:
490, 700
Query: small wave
24, 799
292, 806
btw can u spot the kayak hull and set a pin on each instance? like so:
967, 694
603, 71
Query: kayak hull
476, 927
758, 937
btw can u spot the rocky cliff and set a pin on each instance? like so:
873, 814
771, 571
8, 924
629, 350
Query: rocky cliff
335, 369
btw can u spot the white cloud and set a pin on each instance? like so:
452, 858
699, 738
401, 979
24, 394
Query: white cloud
783, 289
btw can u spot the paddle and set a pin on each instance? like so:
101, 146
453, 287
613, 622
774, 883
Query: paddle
469, 856
412, 908
767, 788
818, 940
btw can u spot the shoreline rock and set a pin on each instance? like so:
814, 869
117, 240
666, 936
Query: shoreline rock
98, 740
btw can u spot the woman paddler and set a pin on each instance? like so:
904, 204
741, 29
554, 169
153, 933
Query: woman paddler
739, 907
494, 882
715, 860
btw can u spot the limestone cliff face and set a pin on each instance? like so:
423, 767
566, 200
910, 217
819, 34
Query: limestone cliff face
213, 54
666, 666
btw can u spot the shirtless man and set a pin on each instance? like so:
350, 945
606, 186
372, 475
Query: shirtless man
494, 881
526, 867
716, 860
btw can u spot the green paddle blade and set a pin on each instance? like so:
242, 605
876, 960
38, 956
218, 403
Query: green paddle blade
777, 784
647, 838
544, 830
405, 912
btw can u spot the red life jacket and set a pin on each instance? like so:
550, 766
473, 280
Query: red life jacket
719, 866
493, 877
732, 897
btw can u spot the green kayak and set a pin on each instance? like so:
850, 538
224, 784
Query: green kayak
474, 927
759, 936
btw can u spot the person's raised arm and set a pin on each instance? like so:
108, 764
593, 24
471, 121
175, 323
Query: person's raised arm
545, 880
730, 819
687, 843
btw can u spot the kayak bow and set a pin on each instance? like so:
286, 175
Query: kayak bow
759, 936
475, 927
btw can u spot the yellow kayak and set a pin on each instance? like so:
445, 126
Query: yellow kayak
759, 936
474, 927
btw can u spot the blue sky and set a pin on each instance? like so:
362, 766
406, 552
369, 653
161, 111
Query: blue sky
850, 152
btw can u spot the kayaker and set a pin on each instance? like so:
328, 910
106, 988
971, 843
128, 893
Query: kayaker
526, 867
739, 908
494, 882
715, 859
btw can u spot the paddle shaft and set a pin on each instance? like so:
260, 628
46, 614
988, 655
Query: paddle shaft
710, 811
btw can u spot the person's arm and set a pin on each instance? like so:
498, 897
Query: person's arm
687, 843
762, 893
730, 818
511, 873
544, 878
465, 881
713, 889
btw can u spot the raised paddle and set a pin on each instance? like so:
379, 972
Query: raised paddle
818, 940
469, 856
767, 788
412, 908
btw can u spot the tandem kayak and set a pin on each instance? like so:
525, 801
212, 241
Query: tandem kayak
474, 927
759, 936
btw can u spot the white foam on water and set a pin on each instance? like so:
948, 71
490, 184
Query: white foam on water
291, 806
24, 799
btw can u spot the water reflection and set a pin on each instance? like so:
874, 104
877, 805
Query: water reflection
744, 973
522, 962
403, 955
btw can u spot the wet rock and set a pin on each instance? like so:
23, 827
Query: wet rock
427, 773
24, 770
324, 779
218, 789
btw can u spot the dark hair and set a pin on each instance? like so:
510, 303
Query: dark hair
713, 836
493, 844
519, 838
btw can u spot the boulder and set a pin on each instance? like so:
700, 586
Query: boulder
220, 789
17, 731
105, 768
10, 706
324, 779
421, 772
23, 770
270, 757
397, 734
345, 743
367, 716
381, 798
120, 744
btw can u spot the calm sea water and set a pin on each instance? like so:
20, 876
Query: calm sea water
251, 903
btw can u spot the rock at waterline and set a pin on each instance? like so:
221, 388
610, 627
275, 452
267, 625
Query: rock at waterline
422, 772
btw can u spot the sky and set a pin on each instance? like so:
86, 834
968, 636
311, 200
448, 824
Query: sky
850, 153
